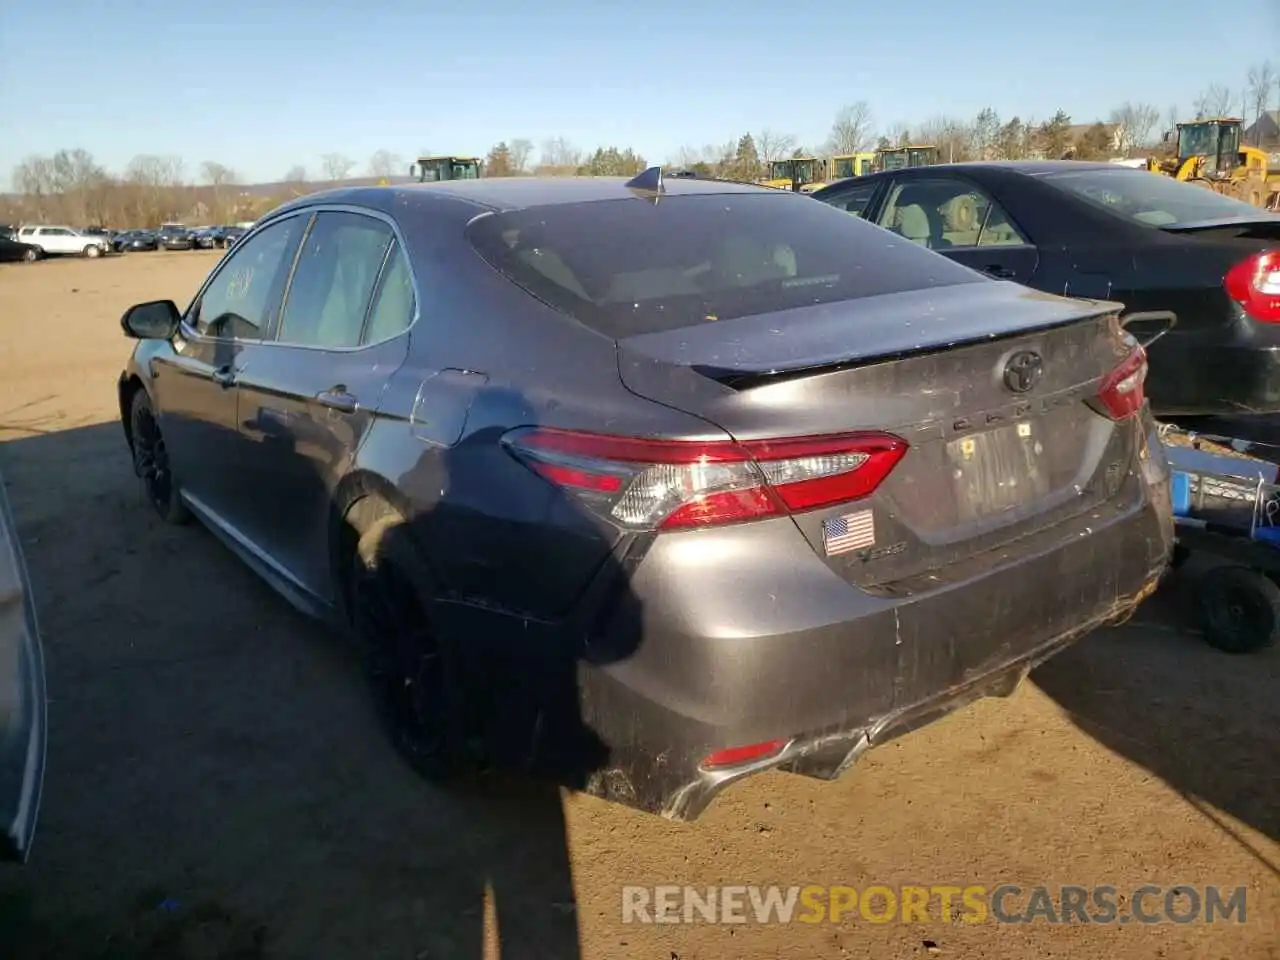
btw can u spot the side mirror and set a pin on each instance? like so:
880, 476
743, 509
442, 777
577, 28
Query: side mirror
413, 170
154, 320
1165, 137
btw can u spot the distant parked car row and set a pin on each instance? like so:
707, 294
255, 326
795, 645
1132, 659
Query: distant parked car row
34, 242
174, 237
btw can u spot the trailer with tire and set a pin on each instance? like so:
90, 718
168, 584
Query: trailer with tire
1226, 508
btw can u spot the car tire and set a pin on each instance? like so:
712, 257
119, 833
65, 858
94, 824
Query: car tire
32, 255
92, 251
151, 462
1239, 609
411, 669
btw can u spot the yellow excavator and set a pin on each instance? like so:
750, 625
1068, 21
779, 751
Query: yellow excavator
433, 169
1210, 154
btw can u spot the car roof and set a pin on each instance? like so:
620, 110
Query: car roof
514, 193
1037, 167
1032, 168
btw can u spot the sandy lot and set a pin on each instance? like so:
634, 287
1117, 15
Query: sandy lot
217, 787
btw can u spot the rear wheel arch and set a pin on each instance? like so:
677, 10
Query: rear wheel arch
362, 502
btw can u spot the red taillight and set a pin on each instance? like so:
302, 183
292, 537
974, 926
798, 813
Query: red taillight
1255, 285
737, 756
670, 484
1121, 390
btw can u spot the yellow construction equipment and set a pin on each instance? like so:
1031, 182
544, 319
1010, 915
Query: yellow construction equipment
807, 174
433, 169
1210, 154
845, 165
914, 155
795, 173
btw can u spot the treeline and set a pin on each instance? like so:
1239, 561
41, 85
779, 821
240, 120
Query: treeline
71, 187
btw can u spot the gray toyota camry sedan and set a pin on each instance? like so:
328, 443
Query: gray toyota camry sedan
650, 486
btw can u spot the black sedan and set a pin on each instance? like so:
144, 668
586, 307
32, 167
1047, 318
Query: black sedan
175, 239
651, 485
1110, 232
206, 238
11, 249
135, 241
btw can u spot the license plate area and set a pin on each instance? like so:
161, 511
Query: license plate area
998, 470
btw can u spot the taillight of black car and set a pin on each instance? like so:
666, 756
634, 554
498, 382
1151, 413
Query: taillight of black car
647, 484
1255, 285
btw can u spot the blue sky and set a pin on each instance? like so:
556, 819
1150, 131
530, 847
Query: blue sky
266, 84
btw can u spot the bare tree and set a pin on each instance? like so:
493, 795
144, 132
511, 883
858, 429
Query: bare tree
687, 157
1134, 123
154, 179
773, 145
1215, 101
296, 174
216, 174
520, 150
336, 166
1262, 78
384, 163
899, 135
559, 152
952, 137
985, 134
851, 131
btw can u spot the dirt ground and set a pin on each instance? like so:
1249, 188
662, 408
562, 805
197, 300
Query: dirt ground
217, 787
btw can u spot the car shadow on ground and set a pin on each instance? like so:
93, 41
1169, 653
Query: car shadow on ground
1153, 691
218, 785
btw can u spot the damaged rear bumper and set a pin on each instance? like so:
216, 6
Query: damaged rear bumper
874, 670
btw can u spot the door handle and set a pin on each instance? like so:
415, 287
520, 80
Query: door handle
997, 271
338, 399
224, 377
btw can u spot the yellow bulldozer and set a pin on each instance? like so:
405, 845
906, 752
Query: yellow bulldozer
1210, 154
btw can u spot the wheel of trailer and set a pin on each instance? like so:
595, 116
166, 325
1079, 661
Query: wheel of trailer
1239, 609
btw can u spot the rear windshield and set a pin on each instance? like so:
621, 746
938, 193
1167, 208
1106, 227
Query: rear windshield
1149, 198
625, 267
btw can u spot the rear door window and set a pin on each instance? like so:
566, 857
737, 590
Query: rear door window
625, 267
947, 213
334, 279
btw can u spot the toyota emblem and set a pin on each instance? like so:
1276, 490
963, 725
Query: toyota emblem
1023, 371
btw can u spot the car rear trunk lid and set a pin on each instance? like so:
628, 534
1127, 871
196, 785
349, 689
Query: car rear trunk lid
988, 465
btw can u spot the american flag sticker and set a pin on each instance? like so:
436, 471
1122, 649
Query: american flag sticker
853, 531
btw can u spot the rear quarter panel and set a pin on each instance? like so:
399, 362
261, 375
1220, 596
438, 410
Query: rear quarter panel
484, 358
